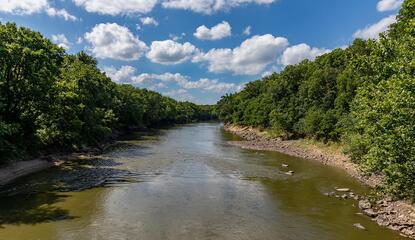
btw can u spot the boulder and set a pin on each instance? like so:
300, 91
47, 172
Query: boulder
290, 173
359, 226
342, 189
364, 204
369, 212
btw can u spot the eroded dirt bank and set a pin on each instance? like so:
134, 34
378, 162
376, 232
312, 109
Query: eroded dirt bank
396, 215
11, 172
17, 170
14, 171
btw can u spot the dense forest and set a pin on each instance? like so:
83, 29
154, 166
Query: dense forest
54, 101
362, 96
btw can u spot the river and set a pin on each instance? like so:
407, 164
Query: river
182, 183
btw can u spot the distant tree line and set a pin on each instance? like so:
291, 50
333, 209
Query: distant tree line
51, 100
362, 96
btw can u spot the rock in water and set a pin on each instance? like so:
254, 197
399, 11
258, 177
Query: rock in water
359, 226
369, 212
290, 173
364, 204
343, 190
284, 165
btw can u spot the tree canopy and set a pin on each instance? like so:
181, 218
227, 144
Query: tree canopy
362, 96
51, 100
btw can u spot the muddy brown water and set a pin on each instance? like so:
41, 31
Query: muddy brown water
184, 183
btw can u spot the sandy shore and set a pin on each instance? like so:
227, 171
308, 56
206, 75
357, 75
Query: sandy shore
396, 215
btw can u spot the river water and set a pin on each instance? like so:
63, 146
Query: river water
184, 183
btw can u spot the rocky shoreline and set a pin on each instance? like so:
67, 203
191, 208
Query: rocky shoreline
396, 215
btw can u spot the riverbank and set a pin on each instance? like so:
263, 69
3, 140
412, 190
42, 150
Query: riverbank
396, 215
13, 171
16, 170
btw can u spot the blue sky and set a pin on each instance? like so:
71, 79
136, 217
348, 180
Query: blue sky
198, 50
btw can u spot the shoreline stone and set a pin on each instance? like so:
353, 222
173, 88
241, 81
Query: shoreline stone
359, 226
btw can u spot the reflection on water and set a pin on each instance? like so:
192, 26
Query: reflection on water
184, 183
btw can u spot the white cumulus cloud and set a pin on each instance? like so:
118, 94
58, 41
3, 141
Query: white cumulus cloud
209, 6
128, 75
79, 40
157, 86
110, 40
122, 75
149, 21
169, 52
250, 58
374, 30
117, 7
388, 5
212, 85
61, 41
164, 77
247, 31
217, 32
23, 7
176, 92
29, 7
298, 53
175, 37
53, 12
180, 95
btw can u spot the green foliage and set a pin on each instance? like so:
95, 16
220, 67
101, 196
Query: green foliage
405, 21
50, 100
318, 123
363, 95
8, 150
82, 108
385, 126
129, 107
29, 65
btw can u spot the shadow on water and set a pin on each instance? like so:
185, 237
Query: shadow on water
34, 199
133, 143
32, 209
148, 134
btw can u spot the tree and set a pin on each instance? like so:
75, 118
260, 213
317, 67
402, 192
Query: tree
385, 132
29, 65
82, 110
361, 95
